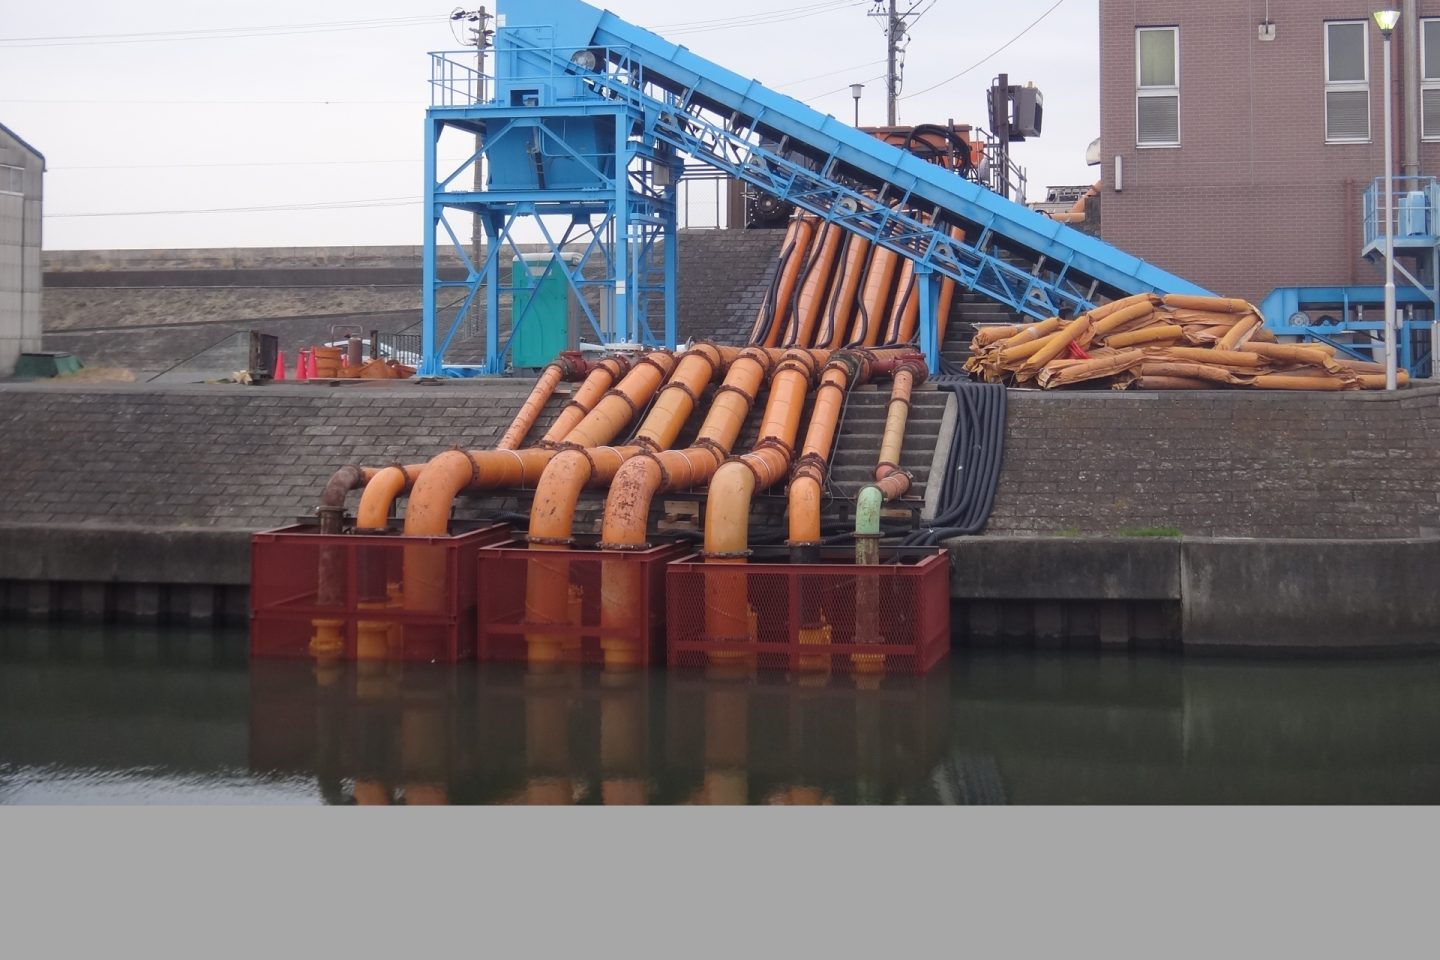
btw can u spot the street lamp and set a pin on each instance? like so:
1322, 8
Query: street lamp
1386, 20
855, 89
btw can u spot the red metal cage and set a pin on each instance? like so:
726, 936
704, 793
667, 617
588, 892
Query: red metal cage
365, 596
581, 605
835, 615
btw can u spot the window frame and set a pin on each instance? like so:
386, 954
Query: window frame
1427, 84
19, 175
1348, 86
1143, 92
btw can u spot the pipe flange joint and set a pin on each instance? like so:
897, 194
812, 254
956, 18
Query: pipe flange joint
685, 389
777, 443
731, 388
716, 449
549, 541
623, 547
761, 356
725, 554
867, 536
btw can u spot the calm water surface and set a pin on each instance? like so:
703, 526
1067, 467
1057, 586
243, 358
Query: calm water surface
125, 715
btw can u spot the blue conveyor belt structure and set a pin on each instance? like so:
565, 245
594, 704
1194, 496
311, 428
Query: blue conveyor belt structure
589, 64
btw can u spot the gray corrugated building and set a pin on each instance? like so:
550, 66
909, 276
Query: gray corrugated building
22, 169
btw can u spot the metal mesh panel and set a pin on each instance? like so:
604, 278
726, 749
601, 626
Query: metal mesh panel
893, 617
314, 594
566, 611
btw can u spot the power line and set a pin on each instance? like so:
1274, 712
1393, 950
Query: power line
839, 89
747, 16
213, 33
292, 207
989, 56
762, 20
821, 76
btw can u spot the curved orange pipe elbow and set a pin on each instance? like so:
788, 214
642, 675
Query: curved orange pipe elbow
381, 492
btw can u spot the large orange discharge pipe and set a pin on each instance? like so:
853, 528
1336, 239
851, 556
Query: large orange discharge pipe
633, 490
552, 515
810, 301
840, 301
451, 472
788, 277
387, 484
727, 507
869, 322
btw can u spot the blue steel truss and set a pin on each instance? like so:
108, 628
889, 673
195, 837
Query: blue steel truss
1338, 315
566, 55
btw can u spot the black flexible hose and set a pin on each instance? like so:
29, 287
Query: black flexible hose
766, 318
967, 491
812, 255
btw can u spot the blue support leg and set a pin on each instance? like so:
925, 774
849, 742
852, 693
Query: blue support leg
927, 281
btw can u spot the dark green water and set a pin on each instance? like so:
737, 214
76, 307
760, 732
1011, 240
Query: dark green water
118, 715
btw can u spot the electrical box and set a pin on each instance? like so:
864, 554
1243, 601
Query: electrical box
542, 311
1029, 110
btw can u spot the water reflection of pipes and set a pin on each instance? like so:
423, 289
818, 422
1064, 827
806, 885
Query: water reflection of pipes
547, 738
627, 506
623, 739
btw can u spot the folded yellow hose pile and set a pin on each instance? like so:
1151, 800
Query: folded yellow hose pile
1175, 342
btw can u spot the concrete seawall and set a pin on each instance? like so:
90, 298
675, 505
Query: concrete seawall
1298, 521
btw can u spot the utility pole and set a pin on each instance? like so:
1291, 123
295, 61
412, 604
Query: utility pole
895, 37
480, 36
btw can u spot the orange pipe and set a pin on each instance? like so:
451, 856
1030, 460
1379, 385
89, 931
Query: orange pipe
727, 507
552, 515
602, 377
906, 306
767, 306
380, 493
840, 301
448, 474
627, 507
869, 322
810, 303
778, 309
844, 370
530, 409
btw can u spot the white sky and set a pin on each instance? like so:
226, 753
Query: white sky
327, 115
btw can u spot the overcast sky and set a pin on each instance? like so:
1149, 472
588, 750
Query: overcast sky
319, 112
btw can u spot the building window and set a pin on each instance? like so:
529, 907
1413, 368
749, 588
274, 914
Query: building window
1430, 79
1157, 86
1347, 82
12, 179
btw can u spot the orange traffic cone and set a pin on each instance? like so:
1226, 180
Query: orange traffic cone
279, 365
302, 365
313, 370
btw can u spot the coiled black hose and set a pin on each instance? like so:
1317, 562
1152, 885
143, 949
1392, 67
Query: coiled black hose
977, 447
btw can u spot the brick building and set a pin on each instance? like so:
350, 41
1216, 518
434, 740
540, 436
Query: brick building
1238, 137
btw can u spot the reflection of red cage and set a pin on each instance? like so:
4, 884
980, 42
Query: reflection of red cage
834, 615
346, 592
585, 572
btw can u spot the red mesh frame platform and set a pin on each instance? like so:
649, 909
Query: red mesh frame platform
314, 594
506, 630
892, 617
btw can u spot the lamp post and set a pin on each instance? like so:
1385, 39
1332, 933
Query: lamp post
1386, 20
855, 89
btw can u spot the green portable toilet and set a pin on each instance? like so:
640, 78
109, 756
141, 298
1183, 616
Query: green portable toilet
545, 329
